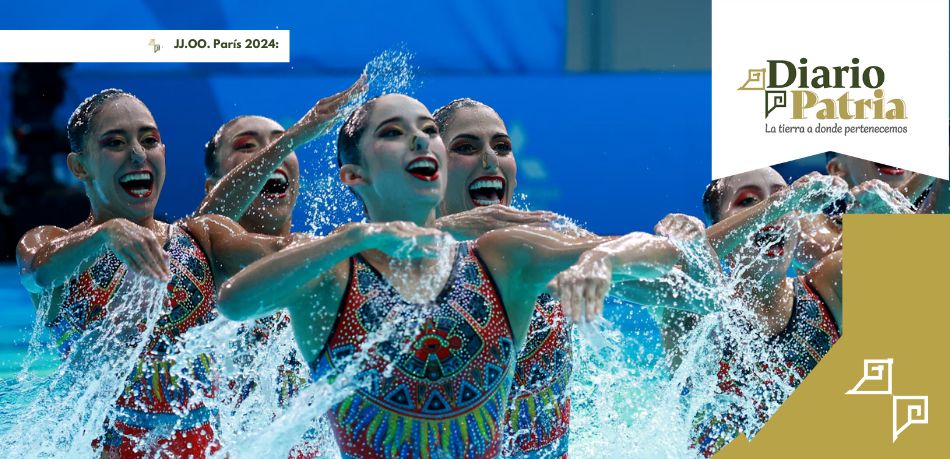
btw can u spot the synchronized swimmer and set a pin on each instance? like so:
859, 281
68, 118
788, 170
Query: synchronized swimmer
481, 365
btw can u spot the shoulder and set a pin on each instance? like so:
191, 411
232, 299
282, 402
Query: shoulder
825, 278
209, 223
36, 238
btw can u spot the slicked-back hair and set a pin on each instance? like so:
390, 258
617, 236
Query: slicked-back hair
348, 139
80, 122
212, 167
445, 113
711, 200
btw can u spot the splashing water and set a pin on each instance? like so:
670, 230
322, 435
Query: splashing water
63, 414
626, 399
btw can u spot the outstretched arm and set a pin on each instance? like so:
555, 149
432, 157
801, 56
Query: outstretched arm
689, 287
282, 278
47, 256
523, 260
473, 223
808, 194
234, 193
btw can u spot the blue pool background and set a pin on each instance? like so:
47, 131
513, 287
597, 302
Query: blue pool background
615, 150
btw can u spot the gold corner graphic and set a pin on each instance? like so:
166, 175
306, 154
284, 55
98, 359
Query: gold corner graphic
894, 321
755, 81
876, 372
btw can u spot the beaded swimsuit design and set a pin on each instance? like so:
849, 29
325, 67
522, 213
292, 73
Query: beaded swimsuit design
152, 388
540, 408
809, 335
446, 396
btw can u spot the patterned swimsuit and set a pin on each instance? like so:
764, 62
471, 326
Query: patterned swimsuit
444, 397
809, 335
155, 398
538, 419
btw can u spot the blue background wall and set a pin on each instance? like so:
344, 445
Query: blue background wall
616, 151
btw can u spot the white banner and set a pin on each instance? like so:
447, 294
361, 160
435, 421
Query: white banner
144, 46
867, 78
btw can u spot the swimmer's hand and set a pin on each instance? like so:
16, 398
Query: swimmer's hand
471, 224
327, 111
404, 239
583, 287
813, 192
877, 197
136, 247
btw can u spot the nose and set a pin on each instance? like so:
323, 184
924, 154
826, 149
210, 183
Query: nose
489, 159
137, 154
419, 143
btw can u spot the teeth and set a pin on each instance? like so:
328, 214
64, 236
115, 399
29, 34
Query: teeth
422, 164
487, 183
487, 202
135, 176
278, 176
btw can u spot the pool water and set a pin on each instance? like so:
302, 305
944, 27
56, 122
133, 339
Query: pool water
16, 321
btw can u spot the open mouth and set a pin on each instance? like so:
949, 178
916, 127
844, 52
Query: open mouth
884, 169
137, 184
276, 186
486, 191
425, 169
772, 238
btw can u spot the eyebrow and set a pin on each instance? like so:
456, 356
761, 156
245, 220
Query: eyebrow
122, 131
466, 136
398, 118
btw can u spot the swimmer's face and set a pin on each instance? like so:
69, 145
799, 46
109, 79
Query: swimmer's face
123, 161
481, 165
773, 246
243, 140
402, 156
857, 171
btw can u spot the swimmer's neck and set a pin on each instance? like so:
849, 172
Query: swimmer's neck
99, 216
420, 216
262, 226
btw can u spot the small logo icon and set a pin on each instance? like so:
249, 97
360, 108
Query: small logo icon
915, 408
877, 379
155, 46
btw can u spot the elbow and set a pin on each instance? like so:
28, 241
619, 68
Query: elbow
229, 303
36, 280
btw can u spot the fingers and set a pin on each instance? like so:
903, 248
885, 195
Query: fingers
594, 301
139, 249
580, 301
159, 258
138, 262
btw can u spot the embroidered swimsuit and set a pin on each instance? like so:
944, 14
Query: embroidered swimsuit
155, 398
809, 335
538, 419
439, 392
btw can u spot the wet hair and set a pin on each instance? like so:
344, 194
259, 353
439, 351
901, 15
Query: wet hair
445, 113
829, 155
711, 200
80, 122
348, 139
211, 160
